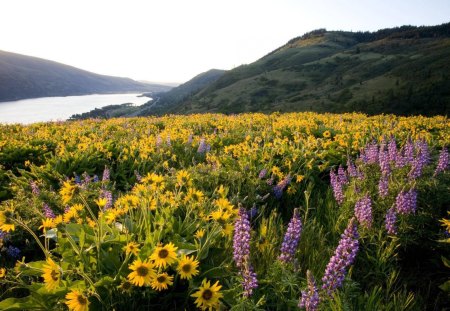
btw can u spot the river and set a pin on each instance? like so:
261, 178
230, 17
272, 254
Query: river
60, 108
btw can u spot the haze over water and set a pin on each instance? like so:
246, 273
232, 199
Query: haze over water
60, 108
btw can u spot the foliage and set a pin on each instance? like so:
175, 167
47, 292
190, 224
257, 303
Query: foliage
140, 213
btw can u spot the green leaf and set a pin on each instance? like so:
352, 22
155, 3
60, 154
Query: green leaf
445, 286
25, 303
445, 261
82, 238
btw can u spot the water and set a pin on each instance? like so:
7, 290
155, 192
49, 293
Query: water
60, 108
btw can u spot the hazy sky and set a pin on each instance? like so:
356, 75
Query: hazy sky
174, 40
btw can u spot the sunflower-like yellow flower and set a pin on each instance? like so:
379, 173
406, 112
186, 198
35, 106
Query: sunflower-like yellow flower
207, 296
131, 248
142, 272
194, 195
101, 202
2, 273
200, 233
67, 191
161, 281
47, 223
187, 267
183, 178
51, 275
77, 301
164, 255
6, 223
326, 134
71, 215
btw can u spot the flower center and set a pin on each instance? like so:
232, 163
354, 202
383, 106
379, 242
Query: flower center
186, 268
126, 285
163, 253
55, 275
161, 279
207, 294
81, 300
142, 271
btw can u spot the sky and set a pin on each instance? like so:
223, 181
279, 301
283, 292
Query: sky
174, 40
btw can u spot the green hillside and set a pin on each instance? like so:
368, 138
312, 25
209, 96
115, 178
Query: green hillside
402, 70
169, 101
29, 77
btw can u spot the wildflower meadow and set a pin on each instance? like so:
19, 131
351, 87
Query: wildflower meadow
296, 211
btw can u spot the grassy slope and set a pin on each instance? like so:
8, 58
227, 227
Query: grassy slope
402, 70
28, 77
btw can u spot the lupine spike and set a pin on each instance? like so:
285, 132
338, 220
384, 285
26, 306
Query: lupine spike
363, 211
343, 257
383, 186
390, 219
337, 187
291, 238
278, 189
442, 162
250, 281
48, 213
241, 239
310, 296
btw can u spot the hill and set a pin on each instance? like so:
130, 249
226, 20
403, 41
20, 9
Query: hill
29, 77
168, 101
403, 70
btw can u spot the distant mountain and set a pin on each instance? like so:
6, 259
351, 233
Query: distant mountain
29, 77
168, 101
403, 70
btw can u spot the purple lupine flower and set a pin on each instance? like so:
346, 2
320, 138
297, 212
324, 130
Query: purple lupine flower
392, 150
443, 161
77, 179
138, 176
343, 257
342, 176
383, 186
202, 146
371, 152
241, 239
310, 296
412, 197
416, 168
86, 179
106, 174
4, 236
406, 202
34, 188
48, 213
66, 208
291, 238
95, 178
13, 252
158, 141
408, 151
250, 281
252, 212
363, 211
422, 151
109, 199
389, 221
351, 169
270, 181
337, 187
278, 188
262, 173
383, 159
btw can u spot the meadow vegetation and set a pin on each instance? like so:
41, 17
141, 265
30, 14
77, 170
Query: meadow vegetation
239, 212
